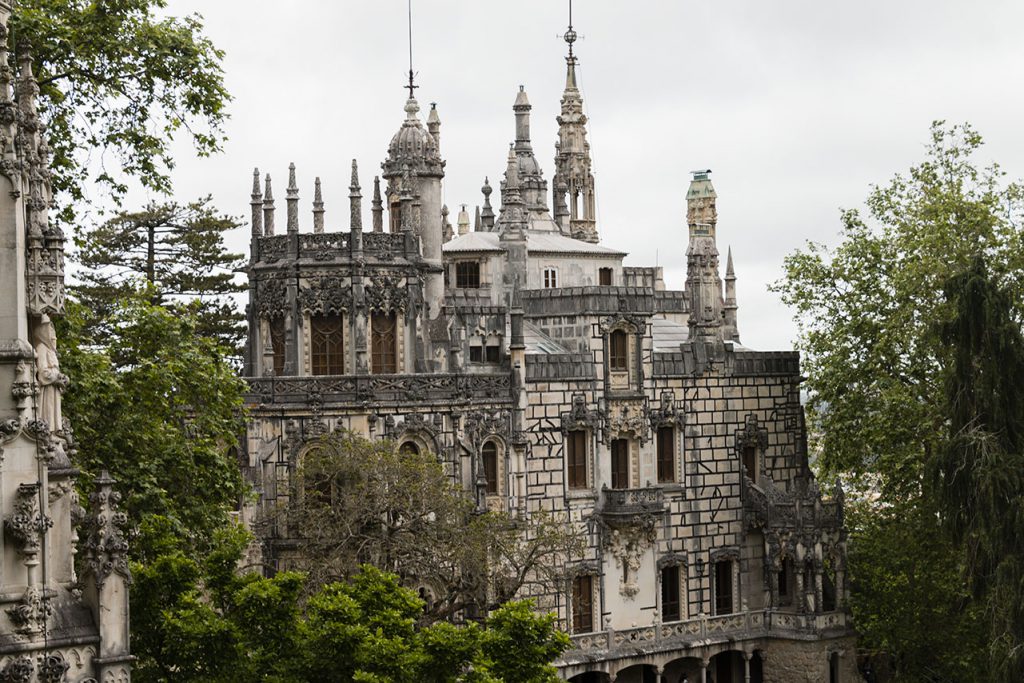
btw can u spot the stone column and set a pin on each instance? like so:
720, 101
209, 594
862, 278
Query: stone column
659, 674
746, 666
704, 663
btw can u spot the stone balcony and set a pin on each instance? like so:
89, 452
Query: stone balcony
627, 506
701, 631
378, 389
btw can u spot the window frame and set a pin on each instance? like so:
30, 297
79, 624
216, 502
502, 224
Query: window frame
387, 365
723, 601
576, 459
618, 351
665, 439
619, 469
605, 276
489, 457
468, 280
277, 332
583, 597
327, 353
550, 277
749, 461
670, 580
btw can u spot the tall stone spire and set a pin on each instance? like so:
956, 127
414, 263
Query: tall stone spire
292, 201
487, 214
355, 200
533, 188
268, 209
703, 286
731, 330
573, 179
318, 206
256, 204
377, 206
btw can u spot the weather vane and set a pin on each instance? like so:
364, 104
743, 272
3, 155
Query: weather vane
412, 86
570, 36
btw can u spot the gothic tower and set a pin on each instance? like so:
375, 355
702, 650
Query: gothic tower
414, 169
703, 286
574, 180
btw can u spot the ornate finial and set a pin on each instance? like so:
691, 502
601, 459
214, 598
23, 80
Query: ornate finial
486, 189
268, 208
318, 206
355, 200
292, 198
256, 203
378, 206
487, 215
729, 272
570, 35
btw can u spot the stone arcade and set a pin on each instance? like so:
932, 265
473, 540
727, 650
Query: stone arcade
548, 375
54, 626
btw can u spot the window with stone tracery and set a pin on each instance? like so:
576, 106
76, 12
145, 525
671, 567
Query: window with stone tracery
383, 343
326, 342
277, 343
489, 453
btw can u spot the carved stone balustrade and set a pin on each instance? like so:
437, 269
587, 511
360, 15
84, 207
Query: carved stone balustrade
381, 389
622, 507
767, 506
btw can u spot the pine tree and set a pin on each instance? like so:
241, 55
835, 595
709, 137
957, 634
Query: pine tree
178, 249
979, 474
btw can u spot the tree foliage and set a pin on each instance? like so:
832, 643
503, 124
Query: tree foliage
178, 251
871, 313
159, 407
979, 473
203, 621
367, 502
118, 78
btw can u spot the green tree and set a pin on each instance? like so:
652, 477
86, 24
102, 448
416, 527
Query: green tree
159, 407
178, 250
365, 501
979, 472
117, 76
870, 313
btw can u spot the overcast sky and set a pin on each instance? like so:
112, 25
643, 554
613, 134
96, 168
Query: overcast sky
796, 106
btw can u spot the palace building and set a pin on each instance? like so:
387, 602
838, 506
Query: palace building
547, 375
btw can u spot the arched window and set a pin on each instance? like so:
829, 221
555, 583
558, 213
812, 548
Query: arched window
383, 341
490, 457
409, 448
327, 347
277, 344
618, 356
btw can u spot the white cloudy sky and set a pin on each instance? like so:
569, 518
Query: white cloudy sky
796, 105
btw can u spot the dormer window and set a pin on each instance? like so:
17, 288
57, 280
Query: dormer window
467, 274
550, 278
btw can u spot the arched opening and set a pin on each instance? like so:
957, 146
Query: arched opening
638, 673
728, 667
686, 669
489, 453
409, 448
316, 482
591, 677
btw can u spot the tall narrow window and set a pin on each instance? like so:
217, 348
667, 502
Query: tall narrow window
750, 462
382, 343
277, 344
620, 464
395, 216
316, 483
493, 352
327, 347
583, 604
723, 587
670, 594
467, 274
490, 456
576, 458
604, 277
617, 354
785, 581
550, 278
666, 454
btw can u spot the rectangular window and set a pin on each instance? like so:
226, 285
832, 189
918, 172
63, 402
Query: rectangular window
617, 354
604, 276
620, 464
467, 274
750, 463
383, 342
493, 353
476, 354
326, 345
277, 344
576, 458
723, 587
670, 594
785, 578
490, 457
583, 604
395, 217
666, 454
550, 278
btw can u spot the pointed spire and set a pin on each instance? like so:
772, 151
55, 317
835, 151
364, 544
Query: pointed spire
522, 109
731, 328
405, 199
292, 200
446, 226
318, 206
256, 204
487, 215
377, 206
434, 125
268, 208
463, 221
729, 273
477, 225
355, 199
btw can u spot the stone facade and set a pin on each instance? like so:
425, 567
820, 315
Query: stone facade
630, 409
54, 625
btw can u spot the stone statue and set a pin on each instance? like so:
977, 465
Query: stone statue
48, 375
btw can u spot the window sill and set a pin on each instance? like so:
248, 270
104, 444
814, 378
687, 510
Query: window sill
580, 494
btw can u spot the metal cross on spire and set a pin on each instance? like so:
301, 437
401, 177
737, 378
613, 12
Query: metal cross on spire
412, 86
570, 35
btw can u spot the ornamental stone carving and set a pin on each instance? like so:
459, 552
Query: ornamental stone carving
752, 434
106, 550
622, 320
18, 670
481, 424
669, 413
385, 293
53, 668
272, 298
26, 523
579, 416
628, 545
29, 615
327, 294
627, 418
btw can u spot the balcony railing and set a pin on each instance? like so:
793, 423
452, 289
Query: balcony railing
705, 629
446, 387
625, 504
